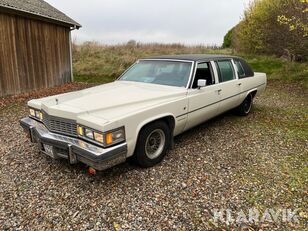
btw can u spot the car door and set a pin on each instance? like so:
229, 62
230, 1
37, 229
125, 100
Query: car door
229, 85
245, 75
204, 102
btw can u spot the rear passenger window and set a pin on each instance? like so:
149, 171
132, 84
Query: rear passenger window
225, 70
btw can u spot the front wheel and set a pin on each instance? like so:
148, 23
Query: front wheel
245, 106
153, 143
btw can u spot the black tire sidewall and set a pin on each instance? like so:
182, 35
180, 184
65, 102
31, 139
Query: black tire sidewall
142, 159
241, 109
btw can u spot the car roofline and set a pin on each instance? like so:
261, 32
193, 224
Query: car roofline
191, 57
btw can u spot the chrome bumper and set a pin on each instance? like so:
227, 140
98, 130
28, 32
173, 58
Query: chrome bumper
74, 149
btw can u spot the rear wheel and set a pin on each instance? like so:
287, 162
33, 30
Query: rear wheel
153, 143
245, 106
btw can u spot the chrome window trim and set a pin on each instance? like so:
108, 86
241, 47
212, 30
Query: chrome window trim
215, 72
172, 60
237, 71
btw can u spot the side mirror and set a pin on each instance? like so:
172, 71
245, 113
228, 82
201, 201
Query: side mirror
201, 83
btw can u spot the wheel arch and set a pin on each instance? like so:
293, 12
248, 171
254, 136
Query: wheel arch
169, 119
253, 92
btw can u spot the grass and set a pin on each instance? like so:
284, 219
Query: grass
95, 63
280, 69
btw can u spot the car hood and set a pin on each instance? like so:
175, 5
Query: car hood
108, 101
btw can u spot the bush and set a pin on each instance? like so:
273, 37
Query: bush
228, 39
274, 27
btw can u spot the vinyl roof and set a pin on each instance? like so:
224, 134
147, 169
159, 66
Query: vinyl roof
192, 57
39, 8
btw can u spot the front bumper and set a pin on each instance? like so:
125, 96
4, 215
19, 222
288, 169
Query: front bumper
74, 149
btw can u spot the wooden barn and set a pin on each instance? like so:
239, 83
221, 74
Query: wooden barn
35, 46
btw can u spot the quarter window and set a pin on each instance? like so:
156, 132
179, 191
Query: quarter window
225, 70
244, 70
240, 69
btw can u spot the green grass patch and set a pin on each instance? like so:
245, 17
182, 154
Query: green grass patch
279, 69
291, 122
92, 79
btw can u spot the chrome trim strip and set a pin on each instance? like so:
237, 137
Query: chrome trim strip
172, 60
219, 100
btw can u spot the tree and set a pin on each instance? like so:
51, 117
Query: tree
296, 18
228, 39
275, 27
131, 43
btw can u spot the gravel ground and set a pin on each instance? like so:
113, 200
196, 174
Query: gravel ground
231, 162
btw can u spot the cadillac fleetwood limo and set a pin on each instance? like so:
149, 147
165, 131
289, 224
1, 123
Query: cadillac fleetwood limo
138, 115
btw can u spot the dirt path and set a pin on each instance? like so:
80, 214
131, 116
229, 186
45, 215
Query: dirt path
231, 162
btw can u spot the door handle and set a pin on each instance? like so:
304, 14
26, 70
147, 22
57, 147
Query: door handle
239, 84
218, 91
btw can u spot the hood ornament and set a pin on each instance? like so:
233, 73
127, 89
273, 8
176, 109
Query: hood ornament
57, 101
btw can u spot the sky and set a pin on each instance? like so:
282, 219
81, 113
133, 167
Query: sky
190, 22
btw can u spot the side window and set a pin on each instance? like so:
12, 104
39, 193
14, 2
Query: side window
203, 72
240, 69
247, 69
225, 70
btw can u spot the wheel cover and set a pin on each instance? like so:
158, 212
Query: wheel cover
155, 143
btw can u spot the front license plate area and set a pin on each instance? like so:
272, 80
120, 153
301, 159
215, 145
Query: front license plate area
49, 150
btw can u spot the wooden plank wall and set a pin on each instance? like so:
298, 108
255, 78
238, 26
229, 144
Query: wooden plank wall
33, 55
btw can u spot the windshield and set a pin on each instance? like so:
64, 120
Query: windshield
171, 73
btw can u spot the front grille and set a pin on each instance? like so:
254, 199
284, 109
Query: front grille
60, 125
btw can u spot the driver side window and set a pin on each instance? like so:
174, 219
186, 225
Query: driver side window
203, 72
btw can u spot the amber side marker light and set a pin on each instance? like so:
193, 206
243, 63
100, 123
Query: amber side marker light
109, 138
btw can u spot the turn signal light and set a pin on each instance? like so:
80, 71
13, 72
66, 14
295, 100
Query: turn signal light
109, 138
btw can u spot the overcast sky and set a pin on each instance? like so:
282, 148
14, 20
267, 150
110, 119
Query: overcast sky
166, 21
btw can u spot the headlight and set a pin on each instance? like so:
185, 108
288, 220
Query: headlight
99, 137
36, 113
32, 112
88, 133
105, 138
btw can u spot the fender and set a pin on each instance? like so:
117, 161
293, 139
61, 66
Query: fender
251, 91
149, 120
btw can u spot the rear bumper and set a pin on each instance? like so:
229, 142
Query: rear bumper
74, 149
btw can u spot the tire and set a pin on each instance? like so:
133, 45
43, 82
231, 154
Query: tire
153, 144
245, 107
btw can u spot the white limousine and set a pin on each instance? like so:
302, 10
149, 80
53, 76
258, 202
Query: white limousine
138, 115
